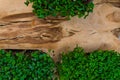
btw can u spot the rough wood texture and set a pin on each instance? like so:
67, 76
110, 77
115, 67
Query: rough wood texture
20, 29
30, 32
28, 29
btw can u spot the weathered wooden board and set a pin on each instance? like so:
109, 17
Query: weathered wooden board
30, 30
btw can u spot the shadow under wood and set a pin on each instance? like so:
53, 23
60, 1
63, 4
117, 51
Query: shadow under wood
116, 32
23, 51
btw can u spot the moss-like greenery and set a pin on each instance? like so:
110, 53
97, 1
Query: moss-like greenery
75, 65
98, 65
65, 8
37, 66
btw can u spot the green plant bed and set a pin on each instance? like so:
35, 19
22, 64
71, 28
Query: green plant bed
75, 65
65, 8
18, 66
98, 65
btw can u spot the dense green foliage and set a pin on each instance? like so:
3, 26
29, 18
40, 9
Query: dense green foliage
98, 65
37, 66
75, 65
66, 8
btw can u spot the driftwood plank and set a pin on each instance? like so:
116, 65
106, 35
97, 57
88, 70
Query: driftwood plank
26, 28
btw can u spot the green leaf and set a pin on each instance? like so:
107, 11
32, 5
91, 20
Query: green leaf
65, 8
26, 3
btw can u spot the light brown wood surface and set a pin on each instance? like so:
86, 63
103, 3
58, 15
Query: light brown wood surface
21, 29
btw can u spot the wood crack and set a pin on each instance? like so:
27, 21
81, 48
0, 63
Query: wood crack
12, 22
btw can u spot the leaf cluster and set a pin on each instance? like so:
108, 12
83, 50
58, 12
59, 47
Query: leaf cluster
74, 65
97, 65
37, 66
64, 8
